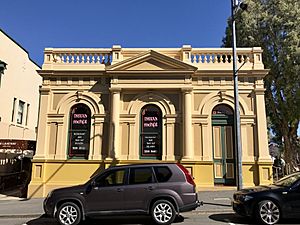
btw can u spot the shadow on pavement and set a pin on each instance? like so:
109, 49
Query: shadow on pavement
217, 204
42, 220
236, 219
107, 221
232, 218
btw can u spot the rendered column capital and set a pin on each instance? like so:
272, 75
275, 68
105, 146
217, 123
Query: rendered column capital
186, 90
115, 89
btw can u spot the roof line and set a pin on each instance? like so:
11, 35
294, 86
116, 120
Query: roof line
20, 47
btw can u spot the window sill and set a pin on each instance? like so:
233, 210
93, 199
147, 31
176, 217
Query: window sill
19, 125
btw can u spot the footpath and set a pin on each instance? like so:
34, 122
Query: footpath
217, 200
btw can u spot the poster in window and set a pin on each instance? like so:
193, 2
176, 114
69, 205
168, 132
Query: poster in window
151, 132
79, 134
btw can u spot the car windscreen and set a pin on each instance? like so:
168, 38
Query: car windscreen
288, 180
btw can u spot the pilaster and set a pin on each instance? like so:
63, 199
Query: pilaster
98, 138
42, 134
170, 127
261, 130
188, 132
133, 147
61, 148
115, 123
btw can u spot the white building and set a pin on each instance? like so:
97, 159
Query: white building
19, 97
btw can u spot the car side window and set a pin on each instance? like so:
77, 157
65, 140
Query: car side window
142, 175
296, 186
112, 178
162, 173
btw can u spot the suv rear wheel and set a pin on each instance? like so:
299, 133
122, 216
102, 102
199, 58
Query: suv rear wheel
68, 214
163, 212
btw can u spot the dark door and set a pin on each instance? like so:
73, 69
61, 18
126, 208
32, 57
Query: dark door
108, 192
141, 186
292, 200
223, 147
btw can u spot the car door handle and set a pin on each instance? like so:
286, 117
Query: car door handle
120, 189
150, 188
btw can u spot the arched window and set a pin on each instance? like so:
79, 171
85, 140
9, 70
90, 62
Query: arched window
151, 132
222, 114
222, 109
79, 131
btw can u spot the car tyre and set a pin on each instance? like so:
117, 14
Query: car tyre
68, 214
268, 212
163, 212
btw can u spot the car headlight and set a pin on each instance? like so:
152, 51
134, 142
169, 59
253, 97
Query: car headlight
245, 198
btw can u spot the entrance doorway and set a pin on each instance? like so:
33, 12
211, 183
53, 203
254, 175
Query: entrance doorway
223, 146
151, 132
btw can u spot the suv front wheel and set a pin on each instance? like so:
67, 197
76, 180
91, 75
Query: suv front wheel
68, 214
163, 212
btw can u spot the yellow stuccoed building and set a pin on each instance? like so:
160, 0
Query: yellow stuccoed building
110, 106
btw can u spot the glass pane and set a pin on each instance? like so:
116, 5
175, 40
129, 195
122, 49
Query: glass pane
140, 176
112, 179
222, 109
163, 174
20, 112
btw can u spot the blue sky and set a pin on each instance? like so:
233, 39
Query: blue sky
37, 24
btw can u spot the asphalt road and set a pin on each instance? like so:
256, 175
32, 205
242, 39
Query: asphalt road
187, 219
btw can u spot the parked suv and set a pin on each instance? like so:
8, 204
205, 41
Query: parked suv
159, 190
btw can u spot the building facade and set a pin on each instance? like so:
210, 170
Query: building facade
103, 107
19, 100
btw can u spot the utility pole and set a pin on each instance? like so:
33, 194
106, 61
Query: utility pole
235, 5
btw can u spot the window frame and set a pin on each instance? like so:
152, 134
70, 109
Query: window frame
27, 114
13, 110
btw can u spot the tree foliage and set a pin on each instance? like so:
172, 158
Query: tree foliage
275, 26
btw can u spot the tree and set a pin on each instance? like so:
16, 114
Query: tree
275, 26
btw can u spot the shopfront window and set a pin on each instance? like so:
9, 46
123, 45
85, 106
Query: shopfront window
79, 131
151, 132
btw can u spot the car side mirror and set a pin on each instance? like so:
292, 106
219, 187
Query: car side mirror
93, 183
